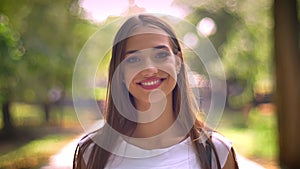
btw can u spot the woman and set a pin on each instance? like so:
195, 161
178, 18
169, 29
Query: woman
151, 121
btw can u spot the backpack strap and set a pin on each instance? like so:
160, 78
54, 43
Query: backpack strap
208, 153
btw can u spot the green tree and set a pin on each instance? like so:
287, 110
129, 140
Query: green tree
11, 56
52, 35
243, 40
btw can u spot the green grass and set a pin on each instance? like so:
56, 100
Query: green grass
25, 114
32, 115
34, 140
253, 137
34, 153
242, 140
100, 93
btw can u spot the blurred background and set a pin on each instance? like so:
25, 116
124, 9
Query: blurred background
257, 41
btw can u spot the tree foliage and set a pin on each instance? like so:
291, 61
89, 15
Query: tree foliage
11, 55
40, 54
244, 42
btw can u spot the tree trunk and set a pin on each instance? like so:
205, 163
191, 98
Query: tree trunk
287, 67
47, 112
7, 123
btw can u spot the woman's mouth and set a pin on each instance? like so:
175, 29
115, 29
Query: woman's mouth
151, 83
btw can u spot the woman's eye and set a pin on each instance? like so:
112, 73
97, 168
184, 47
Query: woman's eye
162, 54
132, 60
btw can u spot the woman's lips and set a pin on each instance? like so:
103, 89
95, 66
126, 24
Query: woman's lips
151, 83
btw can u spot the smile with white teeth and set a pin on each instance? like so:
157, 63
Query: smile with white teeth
151, 83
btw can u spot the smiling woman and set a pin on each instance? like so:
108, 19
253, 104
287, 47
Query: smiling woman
151, 120
152, 65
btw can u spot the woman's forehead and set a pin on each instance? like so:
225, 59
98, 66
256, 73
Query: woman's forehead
146, 41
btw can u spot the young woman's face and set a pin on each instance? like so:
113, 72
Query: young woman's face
150, 65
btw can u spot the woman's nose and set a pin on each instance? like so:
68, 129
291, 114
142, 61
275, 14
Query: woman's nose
149, 71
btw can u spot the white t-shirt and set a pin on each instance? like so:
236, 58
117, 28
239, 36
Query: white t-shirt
179, 156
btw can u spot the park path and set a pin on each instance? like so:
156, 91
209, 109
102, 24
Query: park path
64, 159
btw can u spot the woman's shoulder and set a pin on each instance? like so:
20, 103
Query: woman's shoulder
87, 139
222, 146
221, 142
85, 147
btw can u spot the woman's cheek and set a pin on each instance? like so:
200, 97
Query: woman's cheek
129, 75
170, 69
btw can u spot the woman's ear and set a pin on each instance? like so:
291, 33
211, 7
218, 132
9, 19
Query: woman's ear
178, 62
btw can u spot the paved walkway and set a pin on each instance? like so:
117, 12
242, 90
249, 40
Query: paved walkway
64, 159
245, 163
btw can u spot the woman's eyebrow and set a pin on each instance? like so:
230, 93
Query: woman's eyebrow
155, 47
131, 51
161, 47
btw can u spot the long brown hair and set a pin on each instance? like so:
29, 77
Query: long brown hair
99, 156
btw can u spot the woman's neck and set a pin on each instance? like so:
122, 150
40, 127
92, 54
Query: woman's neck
161, 132
157, 119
